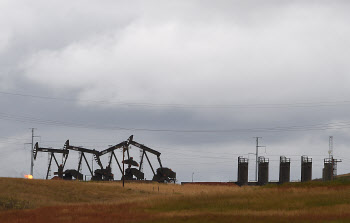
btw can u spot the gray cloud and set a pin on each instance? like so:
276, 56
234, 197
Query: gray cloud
191, 53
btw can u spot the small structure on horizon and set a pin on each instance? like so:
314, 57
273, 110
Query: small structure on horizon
329, 171
284, 176
263, 173
242, 176
306, 168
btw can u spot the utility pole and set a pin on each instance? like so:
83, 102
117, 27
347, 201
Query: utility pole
32, 153
192, 176
257, 157
92, 163
123, 164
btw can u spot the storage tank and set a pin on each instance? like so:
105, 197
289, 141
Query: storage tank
284, 170
242, 176
263, 174
306, 168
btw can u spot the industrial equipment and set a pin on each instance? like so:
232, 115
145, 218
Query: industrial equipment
69, 174
82, 155
306, 168
329, 171
162, 174
284, 176
52, 152
107, 173
263, 174
103, 174
242, 176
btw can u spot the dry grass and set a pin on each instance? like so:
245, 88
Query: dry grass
63, 201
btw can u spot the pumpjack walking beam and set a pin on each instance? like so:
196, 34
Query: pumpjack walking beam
83, 151
52, 152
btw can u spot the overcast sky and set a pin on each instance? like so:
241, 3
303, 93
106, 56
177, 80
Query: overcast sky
195, 80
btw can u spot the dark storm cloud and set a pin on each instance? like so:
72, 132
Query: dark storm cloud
191, 53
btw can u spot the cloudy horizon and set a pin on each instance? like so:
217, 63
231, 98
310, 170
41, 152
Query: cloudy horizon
195, 80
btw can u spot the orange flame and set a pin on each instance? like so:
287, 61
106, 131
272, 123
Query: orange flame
28, 176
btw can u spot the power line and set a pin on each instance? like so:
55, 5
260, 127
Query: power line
186, 106
3, 137
175, 151
326, 126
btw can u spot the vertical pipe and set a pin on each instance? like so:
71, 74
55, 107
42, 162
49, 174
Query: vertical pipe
32, 154
92, 162
123, 165
238, 171
256, 158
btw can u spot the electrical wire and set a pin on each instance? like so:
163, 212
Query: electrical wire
193, 154
315, 127
187, 106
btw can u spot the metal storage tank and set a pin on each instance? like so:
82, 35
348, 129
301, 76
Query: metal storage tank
263, 174
284, 170
242, 176
327, 172
330, 168
306, 168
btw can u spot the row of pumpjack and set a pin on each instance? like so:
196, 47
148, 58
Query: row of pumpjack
162, 174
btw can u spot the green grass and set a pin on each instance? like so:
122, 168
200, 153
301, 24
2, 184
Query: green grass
260, 200
9, 203
339, 181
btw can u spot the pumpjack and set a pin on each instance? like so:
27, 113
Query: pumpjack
52, 152
162, 174
107, 173
129, 172
98, 173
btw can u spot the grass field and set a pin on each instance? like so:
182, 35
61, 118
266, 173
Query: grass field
24, 200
